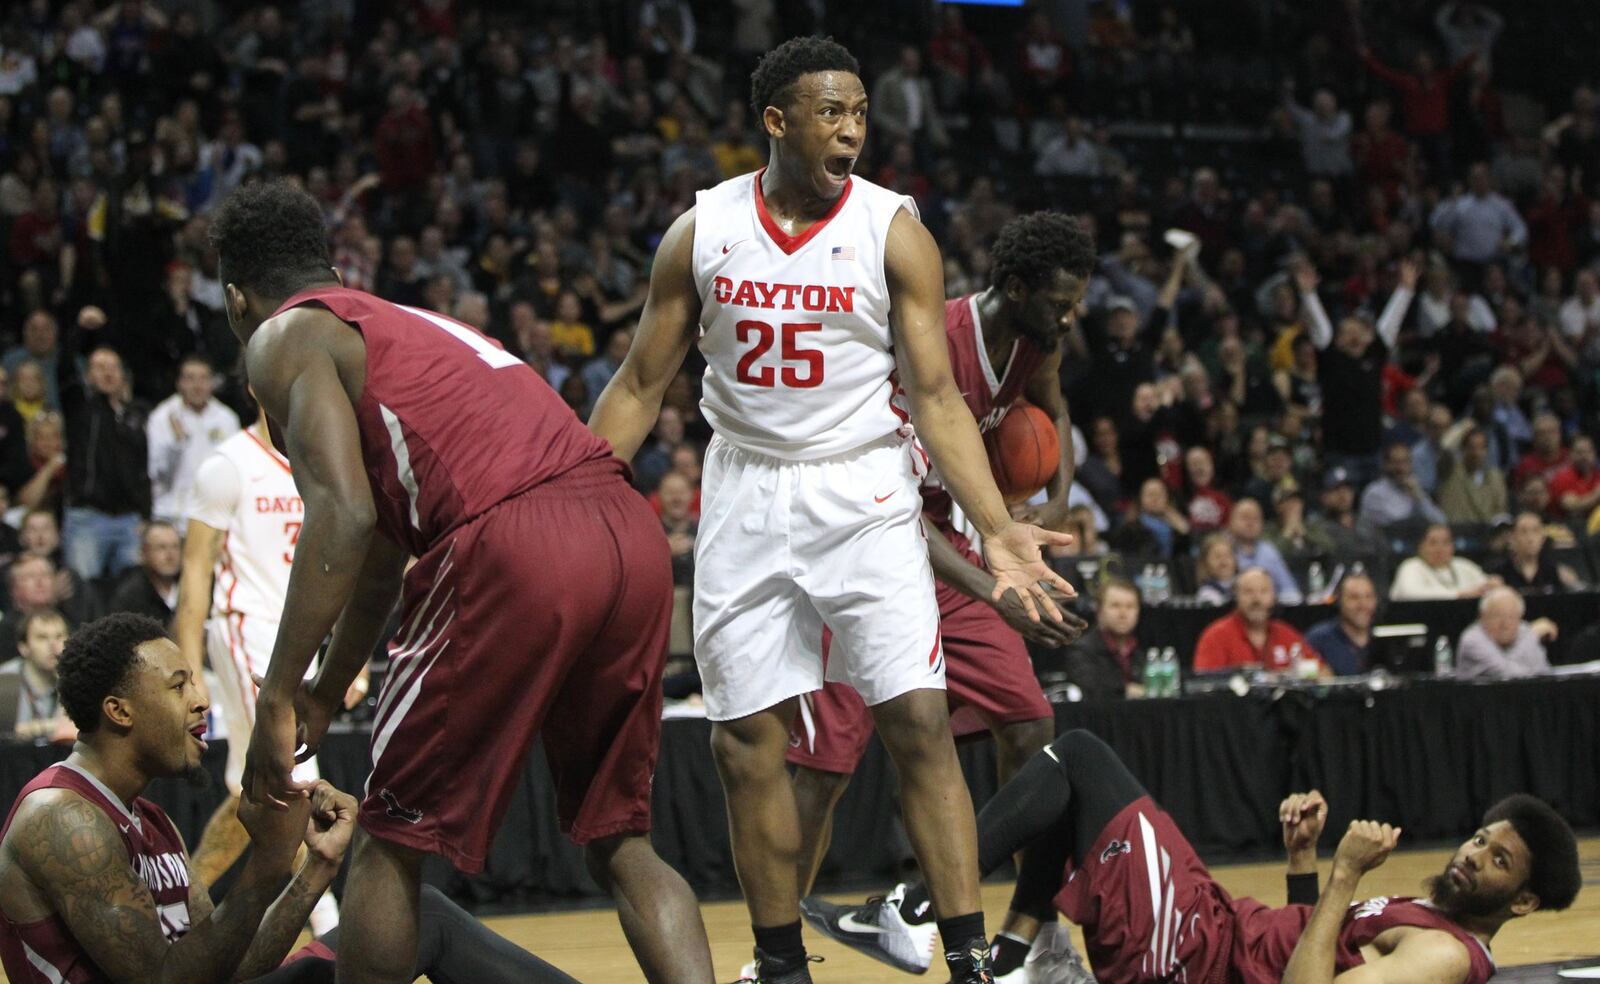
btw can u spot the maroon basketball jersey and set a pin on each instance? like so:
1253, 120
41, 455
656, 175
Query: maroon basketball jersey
43, 951
989, 394
451, 423
1264, 938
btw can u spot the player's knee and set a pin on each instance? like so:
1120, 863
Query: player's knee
1079, 747
917, 723
746, 754
611, 859
1021, 739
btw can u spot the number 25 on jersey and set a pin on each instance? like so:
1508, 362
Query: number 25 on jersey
799, 368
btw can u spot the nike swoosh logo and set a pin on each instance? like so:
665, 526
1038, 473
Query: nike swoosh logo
883, 498
725, 249
850, 924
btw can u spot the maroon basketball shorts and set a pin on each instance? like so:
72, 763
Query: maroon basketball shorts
545, 616
988, 679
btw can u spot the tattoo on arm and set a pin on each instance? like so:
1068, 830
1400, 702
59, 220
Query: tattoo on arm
282, 924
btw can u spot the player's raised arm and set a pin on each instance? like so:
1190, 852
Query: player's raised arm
944, 423
627, 409
201, 545
301, 366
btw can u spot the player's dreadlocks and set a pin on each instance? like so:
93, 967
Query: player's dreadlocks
1033, 246
270, 237
96, 663
1556, 877
776, 73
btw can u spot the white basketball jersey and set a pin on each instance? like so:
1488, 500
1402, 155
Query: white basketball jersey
244, 489
795, 329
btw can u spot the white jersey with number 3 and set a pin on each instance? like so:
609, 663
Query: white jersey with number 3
795, 329
245, 490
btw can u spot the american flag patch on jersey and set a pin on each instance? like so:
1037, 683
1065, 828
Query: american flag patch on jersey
844, 252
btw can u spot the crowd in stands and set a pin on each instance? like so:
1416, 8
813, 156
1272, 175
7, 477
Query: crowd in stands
1377, 330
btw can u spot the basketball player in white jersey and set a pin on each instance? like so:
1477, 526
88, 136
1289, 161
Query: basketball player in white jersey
813, 295
244, 520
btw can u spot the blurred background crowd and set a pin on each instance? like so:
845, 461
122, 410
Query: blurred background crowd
1380, 339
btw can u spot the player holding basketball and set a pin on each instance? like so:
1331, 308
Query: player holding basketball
413, 434
244, 519
808, 289
1102, 852
1042, 264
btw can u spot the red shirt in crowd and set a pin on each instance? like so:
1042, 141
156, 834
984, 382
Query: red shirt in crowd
1209, 509
1424, 103
1567, 481
1534, 463
1225, 644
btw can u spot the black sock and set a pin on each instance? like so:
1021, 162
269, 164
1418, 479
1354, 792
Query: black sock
916, 908
781, 945
960, 932
1009, 953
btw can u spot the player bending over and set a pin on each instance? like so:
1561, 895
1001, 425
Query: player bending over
1099, 849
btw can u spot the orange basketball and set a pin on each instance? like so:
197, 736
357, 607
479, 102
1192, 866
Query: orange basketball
1023, 452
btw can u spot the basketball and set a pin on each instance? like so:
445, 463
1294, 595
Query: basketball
1023, 452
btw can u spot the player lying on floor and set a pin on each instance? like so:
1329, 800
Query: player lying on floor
95, 883
1099, 849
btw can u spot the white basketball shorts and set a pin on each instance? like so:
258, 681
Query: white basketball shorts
237, 647
786, 548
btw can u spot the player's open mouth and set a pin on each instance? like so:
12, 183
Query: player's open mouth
1460, 876
198, 733
839, 167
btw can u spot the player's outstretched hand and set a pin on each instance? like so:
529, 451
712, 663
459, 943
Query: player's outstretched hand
1366, 845
1014, 558
1052, 514
1303, 816
333, 821
269, 763
1045, 632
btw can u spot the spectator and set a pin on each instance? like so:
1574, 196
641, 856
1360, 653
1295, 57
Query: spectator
904, 107
1500, 645
1575, 489
1424, 100
1249, 637
14, 467
1216, 571
40, 345
1277, 473
1505, 385
677, 497
30, 708
1103, 664
47, 457
1345, 641
1398, 497
1547, 457
31, 396
597, 372
1208, 506
1468, 29
1068, 153
34, 587
108, 482
1324, 132
152, 587
655, 458
1580, 315
1162, 522
1479, 225
1250, 550
182, 430
1289, 531
1475, 492
1528, 567
1436, 572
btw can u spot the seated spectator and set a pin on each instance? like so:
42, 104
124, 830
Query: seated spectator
1250, 550
47, 456
1166, 526
1215, 571
1352, 537
1209, 506
29, 705
1500, 645
1289, 532
40, 535
151, 588
655, 457
1345, 641
597, 372
1575, 489
1534, 496
1475, 491
30, 394
1398, 496
685, 461
1436, 573
35, 587
1277, 473
1085, 532
676, 497
1104, 662
1528, 567
1547, 456
1249, 637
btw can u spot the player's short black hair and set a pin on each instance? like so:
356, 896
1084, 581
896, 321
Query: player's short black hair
1033, 247
779, 69
97, 661
1555, 877
270, 238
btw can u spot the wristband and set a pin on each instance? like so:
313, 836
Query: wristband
1302, 888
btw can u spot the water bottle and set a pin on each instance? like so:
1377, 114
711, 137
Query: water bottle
1145, 582
1169, 672
1152, 673
1162, 587
1444, 658
1316, 583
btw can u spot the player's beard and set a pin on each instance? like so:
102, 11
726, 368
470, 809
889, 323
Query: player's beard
196, 777
1457, 901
